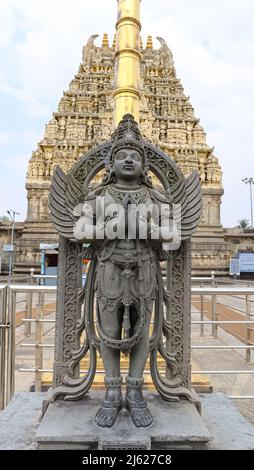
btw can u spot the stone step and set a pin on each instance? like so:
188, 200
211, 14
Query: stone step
199, 383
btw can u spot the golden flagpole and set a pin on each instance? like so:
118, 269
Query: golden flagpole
127, 60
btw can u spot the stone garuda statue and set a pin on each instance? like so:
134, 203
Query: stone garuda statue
127, 228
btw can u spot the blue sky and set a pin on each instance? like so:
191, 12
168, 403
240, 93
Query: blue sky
213, 46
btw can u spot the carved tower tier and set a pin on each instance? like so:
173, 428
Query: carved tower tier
84, 119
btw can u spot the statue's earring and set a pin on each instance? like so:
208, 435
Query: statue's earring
112, 176
106, 177
141, 178
147, 178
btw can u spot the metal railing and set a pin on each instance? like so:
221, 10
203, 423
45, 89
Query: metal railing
38, 345
41, 278
39, 370
11, 294
3, 336
7, 323
15, 279
213, 292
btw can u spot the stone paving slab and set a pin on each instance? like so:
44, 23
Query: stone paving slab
19, 421
229, 428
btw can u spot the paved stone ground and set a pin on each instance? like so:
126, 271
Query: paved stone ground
246, 408
19, 421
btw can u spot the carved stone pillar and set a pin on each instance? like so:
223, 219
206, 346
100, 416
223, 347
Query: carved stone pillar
68, 309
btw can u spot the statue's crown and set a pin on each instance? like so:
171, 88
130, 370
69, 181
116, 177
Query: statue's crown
127, 135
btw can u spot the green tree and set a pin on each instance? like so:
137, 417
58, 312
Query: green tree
243, 223
4, 218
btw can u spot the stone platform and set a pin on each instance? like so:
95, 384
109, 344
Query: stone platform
20, 423
70, 425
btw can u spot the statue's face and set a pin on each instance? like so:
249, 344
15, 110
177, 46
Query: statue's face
127, 164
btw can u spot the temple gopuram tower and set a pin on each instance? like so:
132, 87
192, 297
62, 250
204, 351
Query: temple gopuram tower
84, 120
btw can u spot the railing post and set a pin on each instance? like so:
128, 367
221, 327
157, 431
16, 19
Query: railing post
11, 346
28, 313
248, 336
3, 328
202, 315
38, 343
31, 276
213, 282
214, 317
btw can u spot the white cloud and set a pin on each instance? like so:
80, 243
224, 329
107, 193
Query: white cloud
48, 50
13, 199
8, 22
5, 137
12, 188
14, 162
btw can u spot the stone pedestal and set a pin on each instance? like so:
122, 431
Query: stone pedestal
20, 421
70, 425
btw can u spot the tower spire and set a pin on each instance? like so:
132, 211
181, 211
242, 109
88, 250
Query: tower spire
105, 42
127, 60
149, 43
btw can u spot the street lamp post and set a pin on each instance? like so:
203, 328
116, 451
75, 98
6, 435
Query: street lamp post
12, 215
250, 181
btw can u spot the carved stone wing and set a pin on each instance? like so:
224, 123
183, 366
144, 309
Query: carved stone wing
64, 198
91, 39
187, 194
162, 43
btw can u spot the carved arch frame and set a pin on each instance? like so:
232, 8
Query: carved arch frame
175, 350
